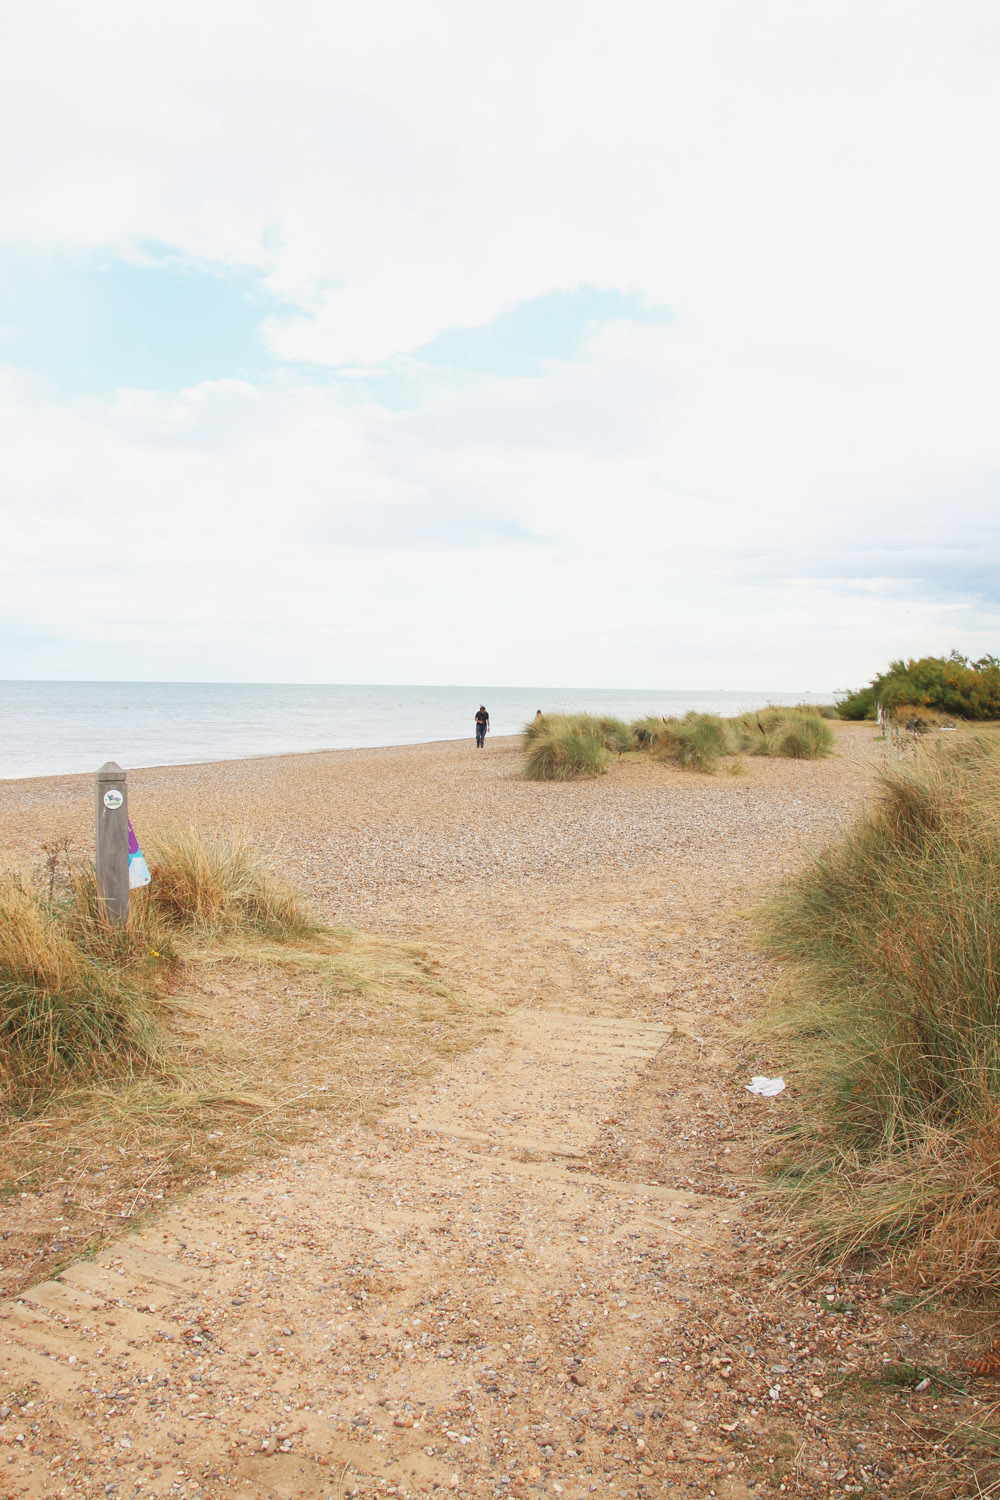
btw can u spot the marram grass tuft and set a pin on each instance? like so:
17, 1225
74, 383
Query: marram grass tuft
565, 747
890, 1019
65, 1012
219, 883
560, 747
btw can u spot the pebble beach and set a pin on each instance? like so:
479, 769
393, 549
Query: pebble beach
536, 1272
400, 837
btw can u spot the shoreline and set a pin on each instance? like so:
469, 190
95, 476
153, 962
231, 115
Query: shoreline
66, 730
239, 760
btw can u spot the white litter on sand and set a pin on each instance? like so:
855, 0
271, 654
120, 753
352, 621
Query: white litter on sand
766, 1086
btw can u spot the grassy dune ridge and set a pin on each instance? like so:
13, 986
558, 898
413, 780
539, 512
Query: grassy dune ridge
890, 1015
562, 747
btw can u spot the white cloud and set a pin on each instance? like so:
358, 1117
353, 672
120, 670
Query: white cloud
554, 528
807, 187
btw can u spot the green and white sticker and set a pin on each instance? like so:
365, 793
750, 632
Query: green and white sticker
113, 798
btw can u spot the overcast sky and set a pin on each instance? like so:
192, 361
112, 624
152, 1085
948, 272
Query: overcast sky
633, 344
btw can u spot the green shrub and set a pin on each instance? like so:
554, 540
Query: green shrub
570, 746
951, 684
891, 1025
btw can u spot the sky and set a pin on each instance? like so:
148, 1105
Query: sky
644, 345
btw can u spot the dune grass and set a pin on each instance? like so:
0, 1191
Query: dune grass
890, 1022
616, 734
796, 733
67, 1010
644, 732
562, 747
695, 742
221, 885
803, 736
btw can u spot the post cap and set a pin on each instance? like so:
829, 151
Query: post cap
110, 771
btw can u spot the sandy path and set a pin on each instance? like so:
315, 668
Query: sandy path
503, 1288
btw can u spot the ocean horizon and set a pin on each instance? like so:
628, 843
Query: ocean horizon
61, 728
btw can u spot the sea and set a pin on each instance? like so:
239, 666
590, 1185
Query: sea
55, 728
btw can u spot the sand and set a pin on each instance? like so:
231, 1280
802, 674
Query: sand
537, 1273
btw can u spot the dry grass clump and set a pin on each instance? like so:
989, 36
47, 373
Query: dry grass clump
892, 1021
144, 944
917, 720
220, 884
66, 1010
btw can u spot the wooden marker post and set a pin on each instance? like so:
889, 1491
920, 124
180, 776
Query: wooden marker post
111, 841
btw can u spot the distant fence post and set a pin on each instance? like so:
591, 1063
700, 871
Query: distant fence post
111, 841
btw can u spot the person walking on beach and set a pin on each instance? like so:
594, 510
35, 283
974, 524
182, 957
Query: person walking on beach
482, 726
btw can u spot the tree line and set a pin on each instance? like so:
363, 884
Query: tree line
948, 684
